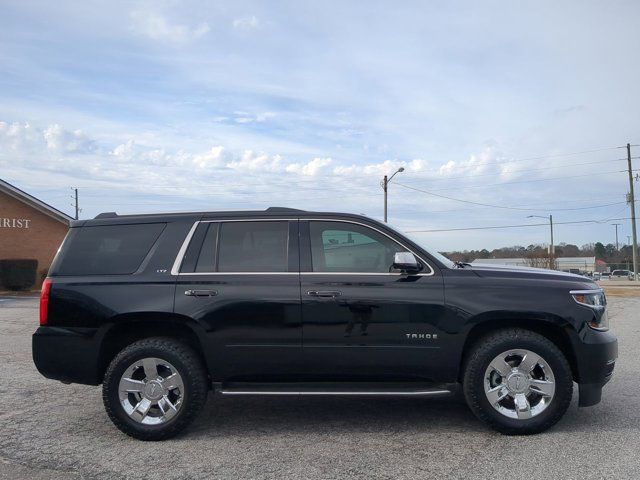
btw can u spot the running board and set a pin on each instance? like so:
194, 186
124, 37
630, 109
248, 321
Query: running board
333, 389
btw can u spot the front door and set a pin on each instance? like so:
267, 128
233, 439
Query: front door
239, 280
361, 319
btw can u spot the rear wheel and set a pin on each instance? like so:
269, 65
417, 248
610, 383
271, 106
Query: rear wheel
517, 381
154, 388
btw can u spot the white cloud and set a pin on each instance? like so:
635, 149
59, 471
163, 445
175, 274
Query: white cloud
131, 152
64, 141
23, 137
387, 167
19, 136
124, 151
263, 117
245, 117
479, 163
246, 23
212, 158
253, 162
155, 26
311, 168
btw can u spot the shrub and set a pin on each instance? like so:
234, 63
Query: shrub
18, 274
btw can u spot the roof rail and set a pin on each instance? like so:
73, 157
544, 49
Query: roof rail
107, 215
283, 209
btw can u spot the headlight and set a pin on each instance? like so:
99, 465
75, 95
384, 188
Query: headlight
597, 302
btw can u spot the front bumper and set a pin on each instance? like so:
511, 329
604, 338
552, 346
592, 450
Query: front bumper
68, 355
596, 355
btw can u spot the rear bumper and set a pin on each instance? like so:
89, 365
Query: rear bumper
596, 355
68, 355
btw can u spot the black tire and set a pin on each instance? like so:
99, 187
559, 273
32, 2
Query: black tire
492, 345
188, 365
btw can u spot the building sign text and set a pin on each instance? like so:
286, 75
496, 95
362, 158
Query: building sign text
14, 222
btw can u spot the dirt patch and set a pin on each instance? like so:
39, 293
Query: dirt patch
618, 291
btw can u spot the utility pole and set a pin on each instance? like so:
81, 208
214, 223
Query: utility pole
75, 197
616, 225
552, 250
385, 186
77, 209
632, 202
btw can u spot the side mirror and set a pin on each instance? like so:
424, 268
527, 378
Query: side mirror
406, 262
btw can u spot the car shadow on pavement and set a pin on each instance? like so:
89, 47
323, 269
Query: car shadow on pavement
248, 416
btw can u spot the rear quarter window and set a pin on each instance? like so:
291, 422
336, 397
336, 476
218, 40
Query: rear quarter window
108, 250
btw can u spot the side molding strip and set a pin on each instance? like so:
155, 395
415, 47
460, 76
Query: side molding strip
333, 392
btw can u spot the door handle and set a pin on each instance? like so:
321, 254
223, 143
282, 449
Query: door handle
200, 293
324, 293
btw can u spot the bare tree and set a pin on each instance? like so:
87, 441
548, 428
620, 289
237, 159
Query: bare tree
539, 260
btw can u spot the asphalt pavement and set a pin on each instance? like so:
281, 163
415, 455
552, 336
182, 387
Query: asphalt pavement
56, 431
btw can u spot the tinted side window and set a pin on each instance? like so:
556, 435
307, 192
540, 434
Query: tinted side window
253, 246
108, 250
347, 247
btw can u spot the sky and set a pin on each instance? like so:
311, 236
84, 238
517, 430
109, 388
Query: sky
205, 105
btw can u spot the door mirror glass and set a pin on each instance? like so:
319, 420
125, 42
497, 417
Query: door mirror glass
406, 262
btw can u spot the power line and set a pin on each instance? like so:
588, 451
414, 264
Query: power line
491, 205
546, 224
525, 171
521, 181
542, 203
524, 159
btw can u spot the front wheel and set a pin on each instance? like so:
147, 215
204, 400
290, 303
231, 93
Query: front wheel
154, 388
517, 381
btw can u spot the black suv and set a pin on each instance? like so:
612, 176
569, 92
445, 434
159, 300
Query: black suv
161, 309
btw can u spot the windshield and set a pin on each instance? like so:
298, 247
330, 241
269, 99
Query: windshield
437, 255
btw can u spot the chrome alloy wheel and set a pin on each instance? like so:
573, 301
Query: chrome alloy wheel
519, 384
151, 391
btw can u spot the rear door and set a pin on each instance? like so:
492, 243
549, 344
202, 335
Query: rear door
240, 280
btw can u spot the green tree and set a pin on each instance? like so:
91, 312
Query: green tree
610, 249
599, 250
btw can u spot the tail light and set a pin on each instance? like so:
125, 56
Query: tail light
44, 301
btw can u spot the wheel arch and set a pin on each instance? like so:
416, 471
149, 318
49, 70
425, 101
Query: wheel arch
127, 328
551, 328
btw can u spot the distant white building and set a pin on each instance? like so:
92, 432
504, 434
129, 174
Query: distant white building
582, 264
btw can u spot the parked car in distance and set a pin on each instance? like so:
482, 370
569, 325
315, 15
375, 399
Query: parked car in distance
605, 275
595, 275
164, 309
621, 274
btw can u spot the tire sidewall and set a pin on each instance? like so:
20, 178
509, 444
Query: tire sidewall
562, 377
111, 389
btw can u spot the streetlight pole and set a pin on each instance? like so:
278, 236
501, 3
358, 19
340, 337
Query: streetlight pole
552, 250
385, 186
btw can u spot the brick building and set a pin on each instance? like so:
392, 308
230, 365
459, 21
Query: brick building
29, 228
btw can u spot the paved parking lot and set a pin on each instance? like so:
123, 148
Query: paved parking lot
51, 430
